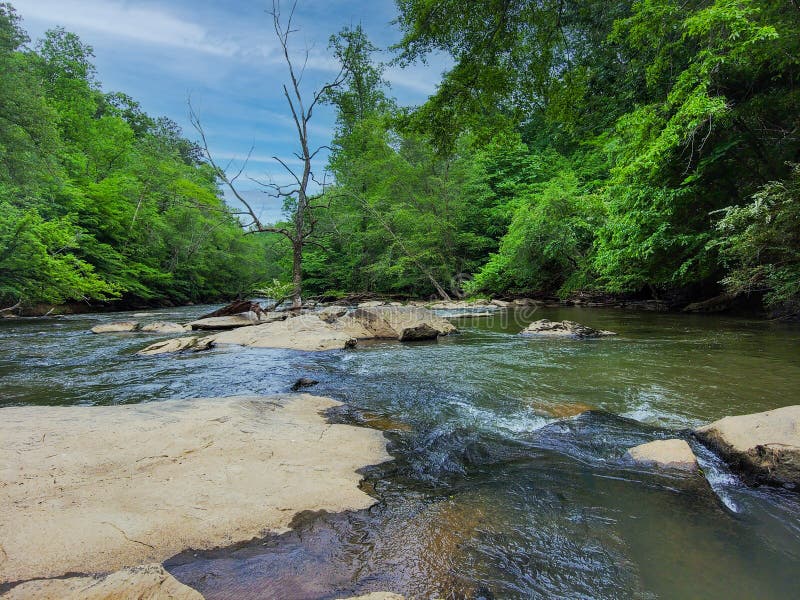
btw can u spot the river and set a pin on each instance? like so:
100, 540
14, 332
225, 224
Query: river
496, 491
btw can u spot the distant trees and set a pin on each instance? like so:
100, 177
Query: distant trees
98, 200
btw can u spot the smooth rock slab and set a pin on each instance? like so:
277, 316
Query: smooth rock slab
98, 489
240, 320
764, 445
404, 323
119, 327
162, 327
306, 332
671, 454
147, 582
547, 327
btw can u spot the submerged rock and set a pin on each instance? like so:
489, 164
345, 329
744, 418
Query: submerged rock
191, 342
672, 454
304, 382
163, 327
563, 329
96, 489
119, 327
764, 445
147, 582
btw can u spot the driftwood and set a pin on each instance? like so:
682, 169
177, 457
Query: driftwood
235, 308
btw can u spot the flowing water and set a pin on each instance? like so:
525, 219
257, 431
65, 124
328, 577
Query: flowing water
507, 480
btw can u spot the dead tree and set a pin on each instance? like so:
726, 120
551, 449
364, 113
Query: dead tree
296, 197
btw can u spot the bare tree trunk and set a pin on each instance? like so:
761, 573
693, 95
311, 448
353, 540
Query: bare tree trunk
297, 276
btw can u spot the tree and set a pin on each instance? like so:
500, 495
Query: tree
297, 197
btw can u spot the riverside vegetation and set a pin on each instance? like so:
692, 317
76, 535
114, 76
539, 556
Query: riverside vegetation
645, 148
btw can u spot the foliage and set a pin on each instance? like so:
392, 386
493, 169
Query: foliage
98, 200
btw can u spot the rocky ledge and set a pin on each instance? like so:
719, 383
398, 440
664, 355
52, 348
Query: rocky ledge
765, 446
545, 327
99, 489
327, 330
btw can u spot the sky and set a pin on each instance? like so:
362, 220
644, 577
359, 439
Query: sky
223, 55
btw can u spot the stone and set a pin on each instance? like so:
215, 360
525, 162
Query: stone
405, 323
192, 342
371, 303
560, 410
671, 454
162, 327
764, 446
305, 332
304, 382
502, 303
119, 327
716, 304
146, 582
467, 315
546, 327
239, 320
97, 489
330, 313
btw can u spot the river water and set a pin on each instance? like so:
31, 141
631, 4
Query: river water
498, 489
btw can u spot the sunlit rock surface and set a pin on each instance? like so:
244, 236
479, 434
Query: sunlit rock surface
97, 489
671, 454
765, 445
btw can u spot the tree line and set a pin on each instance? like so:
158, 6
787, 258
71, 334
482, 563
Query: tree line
98, 200
645, 147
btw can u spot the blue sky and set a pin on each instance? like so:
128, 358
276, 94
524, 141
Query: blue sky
224, 56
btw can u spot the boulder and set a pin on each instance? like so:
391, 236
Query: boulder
563, 329
404, 323
304, 382
97, 489
330, 313
305, 332
147, 582
466, 315
502, 303
371, 303
162, 327
670, 454
118, 327
239, 320
192, 342
765, 446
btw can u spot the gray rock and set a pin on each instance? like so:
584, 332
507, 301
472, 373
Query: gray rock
765, 446
162, 327
191, 342
119, 327
330, 313
404, 323
546, 327
241, 320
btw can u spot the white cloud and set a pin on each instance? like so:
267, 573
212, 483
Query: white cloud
144, 24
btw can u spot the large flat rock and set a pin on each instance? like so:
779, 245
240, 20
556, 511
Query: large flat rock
306, 332
98, 489
765, 445
147, 582
404, 323
546, 327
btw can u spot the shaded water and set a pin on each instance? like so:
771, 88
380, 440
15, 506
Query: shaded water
495, 491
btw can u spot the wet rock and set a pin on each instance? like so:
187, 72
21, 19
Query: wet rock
765, 446
96, 489
192, 342
466, 315
147, 582
383, 422
671, 454
163, 327
238, 320
371, 303
405, 323
563, 329
377, 596
304, 382
304, 332
330, 313
561, 410
236, 307
119, 327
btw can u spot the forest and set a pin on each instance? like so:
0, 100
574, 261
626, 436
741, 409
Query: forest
647, 148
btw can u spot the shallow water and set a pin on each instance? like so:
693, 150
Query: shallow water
495, 491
